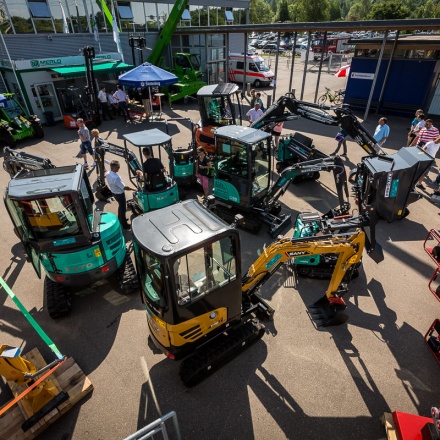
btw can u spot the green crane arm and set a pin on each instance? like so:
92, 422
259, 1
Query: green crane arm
156, 55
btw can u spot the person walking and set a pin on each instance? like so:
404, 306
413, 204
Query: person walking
96, 140
254, 113
103, 101
431, 148
253, 98
202, 170
342, 142
118, 188
382, 132
426, 134
122, 99
86, 143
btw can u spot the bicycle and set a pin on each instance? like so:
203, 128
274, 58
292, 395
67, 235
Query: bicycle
335, 98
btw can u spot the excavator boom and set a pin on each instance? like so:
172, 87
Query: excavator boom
15, 162
288, 108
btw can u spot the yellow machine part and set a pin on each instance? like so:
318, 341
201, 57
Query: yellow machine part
14, 369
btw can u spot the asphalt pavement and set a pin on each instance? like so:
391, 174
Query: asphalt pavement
297, 382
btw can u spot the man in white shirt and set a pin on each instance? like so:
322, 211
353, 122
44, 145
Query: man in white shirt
254, 113
122, 99
118, 188
103, 101
431, 148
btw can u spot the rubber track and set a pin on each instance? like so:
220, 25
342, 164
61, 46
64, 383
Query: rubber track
222, 349
128, 281
58, 299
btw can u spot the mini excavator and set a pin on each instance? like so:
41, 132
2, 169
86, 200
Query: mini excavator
53, 215
199, 306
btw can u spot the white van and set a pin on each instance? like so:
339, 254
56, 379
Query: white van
257, 71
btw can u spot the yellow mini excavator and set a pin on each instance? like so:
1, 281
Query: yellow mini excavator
199, 307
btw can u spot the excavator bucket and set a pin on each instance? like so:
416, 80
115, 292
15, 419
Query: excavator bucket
327, 314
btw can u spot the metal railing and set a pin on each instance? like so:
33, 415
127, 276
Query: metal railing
156, 427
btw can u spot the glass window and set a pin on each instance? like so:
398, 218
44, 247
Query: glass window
204, 270
39, 9
152, 279
262, 66
18, 218
50, 217
125, 11
240, 65
232, 157
87, 202
260, 167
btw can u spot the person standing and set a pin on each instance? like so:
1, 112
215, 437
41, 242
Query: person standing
103, 101
415, 129
122, 99
426, 134
260, 101
146, 102
97, 141
254, 113
113, 103
431, 148
203, 165
342, 142
276, 133
118, 188
253, 98
382, 132
86, 143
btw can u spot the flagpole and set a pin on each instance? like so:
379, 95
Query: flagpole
95, 26
65, 24
116, 37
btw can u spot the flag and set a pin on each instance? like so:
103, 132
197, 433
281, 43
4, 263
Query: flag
65, 25
116, 38
94, 23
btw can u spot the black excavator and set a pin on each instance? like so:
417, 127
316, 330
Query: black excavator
389, 178
200, 308
242, 182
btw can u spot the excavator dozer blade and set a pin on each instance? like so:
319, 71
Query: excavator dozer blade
326, 314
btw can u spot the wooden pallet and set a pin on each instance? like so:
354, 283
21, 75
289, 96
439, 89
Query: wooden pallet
68, 378
390, 429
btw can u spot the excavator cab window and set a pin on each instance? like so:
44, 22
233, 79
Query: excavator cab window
195, 61
204, 270
151, 272
260, 167
49, 217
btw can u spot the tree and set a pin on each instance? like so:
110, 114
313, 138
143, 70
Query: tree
335, 10
316, 10
389, 10
283, 11
259, 12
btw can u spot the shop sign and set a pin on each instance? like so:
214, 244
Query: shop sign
361, 75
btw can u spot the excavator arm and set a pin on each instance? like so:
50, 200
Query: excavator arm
288, 108
308, 168
102, 191
327, 310
15, 162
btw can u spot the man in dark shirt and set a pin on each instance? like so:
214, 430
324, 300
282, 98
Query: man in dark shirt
152, 165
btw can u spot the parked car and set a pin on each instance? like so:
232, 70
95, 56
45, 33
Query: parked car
272, 48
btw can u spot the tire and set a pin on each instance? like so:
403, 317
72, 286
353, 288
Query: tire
322, 99
38, 131
257, 83
8, 139
58, 299
337, 100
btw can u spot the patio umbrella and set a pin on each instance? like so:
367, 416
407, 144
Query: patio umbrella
147, 75
343, 71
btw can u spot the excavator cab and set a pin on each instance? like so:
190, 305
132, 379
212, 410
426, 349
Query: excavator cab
61, 232
190, 273
155, 190
217, 109
243, 165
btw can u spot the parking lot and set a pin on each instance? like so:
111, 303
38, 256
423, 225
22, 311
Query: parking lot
298, 382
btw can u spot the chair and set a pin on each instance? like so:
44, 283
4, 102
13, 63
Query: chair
156, 181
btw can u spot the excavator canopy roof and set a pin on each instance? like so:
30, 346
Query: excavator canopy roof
246, 135
148, 138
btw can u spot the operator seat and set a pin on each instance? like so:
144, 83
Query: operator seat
156, 181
